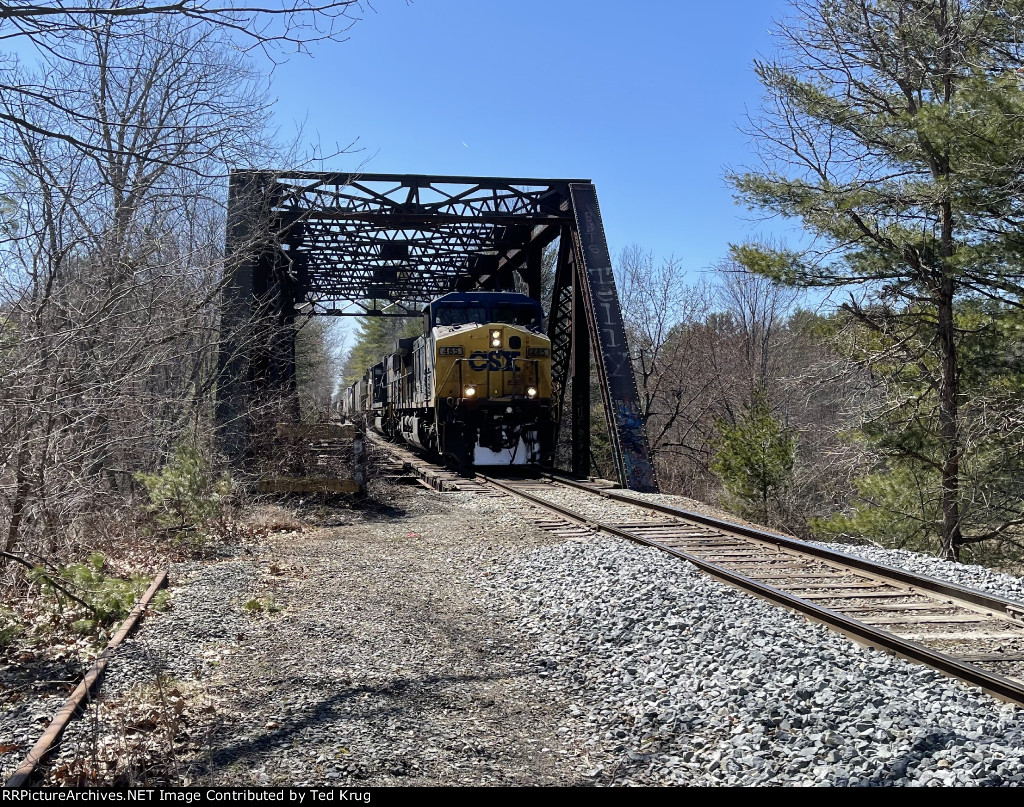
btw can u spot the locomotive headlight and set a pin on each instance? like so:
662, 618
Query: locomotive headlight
495, 338
469, 392
531, 392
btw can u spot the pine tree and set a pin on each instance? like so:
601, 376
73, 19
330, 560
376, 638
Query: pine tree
894, 131
754, 457
374, 339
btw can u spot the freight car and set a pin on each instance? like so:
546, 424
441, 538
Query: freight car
474, 388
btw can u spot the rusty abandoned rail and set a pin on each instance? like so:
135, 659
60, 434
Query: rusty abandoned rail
22, 777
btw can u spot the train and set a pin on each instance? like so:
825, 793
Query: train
474, 389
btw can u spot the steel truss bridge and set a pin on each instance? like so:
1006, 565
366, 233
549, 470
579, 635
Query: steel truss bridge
335, 244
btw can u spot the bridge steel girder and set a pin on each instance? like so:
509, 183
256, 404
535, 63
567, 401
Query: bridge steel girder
623, 411
309, 243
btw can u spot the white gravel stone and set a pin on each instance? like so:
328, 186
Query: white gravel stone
711, 686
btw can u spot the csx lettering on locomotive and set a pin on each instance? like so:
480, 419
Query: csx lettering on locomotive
495, 360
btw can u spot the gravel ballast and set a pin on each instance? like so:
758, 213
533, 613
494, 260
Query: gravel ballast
689, 681
446, 641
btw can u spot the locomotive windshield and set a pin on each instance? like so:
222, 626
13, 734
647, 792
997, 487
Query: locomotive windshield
459, 314
527, 316
463, 308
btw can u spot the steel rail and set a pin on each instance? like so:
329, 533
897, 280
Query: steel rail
45, 744
994, 684
1007, 608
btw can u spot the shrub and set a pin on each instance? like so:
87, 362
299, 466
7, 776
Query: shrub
754, 458
10, 628
107, 600
110, 598
185, 496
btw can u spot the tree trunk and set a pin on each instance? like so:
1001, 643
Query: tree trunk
21, 494
949, 391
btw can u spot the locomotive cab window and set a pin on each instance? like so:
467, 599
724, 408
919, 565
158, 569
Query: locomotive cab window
526, 316
459, 314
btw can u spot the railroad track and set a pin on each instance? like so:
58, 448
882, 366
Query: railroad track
959, 631
27, 772
962, 632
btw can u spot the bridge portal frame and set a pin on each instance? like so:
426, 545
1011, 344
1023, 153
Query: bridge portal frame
345, 244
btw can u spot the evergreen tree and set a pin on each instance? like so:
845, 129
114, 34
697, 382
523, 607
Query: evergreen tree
894, 131
374, 339
754, 456
899, 502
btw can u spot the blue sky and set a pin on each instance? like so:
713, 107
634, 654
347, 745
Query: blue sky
643, 98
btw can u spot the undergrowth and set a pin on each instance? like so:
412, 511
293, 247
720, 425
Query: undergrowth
186, 499
11, 628
99, 600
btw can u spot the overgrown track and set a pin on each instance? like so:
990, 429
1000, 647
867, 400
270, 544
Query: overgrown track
26, 773
959, 631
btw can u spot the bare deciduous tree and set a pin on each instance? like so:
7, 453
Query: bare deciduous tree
54, 31
112, 265
706, 353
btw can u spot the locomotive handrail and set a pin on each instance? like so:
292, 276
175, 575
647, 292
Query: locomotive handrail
456, 363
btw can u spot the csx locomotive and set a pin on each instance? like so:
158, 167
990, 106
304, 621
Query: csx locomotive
475, 388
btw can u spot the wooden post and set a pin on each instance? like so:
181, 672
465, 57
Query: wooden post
359, 461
